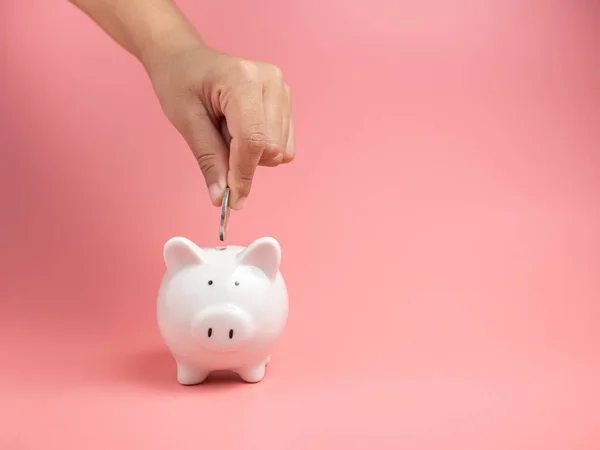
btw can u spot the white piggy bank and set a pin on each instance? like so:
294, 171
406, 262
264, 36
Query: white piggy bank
221, 308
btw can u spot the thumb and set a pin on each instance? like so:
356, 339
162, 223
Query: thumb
211, 152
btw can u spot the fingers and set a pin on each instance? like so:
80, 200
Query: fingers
210, 150
290, 149
286, 147
256, 104
289, 153
248, 129
234, 114
287, 117
276, 106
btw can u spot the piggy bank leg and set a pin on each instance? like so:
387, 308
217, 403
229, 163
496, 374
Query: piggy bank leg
252, 374
188, 376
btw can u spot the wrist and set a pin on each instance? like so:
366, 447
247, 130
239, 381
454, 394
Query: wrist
170, 39
148, 29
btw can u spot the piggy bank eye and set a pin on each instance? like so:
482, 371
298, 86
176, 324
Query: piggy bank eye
237, 283
210, 282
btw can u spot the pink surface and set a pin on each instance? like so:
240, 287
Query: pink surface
440, 231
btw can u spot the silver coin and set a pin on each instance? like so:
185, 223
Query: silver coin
224, 215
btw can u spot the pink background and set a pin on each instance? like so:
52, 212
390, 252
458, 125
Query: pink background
440, 229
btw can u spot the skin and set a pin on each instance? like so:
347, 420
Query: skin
235, 114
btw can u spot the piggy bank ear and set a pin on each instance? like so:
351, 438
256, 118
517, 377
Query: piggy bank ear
179, 252
265, 254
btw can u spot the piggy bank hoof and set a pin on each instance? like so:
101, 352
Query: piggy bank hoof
188, 376
253, 374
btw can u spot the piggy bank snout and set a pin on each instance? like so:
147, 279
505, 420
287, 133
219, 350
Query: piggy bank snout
222, 328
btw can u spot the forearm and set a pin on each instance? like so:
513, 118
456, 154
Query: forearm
145, 28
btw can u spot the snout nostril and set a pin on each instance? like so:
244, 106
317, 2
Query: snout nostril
230, 334
209, 332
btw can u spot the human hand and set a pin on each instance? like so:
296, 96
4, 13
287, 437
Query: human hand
234, 114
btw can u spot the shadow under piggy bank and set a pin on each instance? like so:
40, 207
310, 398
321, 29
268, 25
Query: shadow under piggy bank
156, 369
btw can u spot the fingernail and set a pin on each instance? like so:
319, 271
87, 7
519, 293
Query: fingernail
215, 192
240, 203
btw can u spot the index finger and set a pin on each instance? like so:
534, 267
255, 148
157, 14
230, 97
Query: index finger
246, 124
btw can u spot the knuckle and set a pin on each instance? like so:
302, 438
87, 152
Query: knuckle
276, 73
275, 161
256, 142
247, 69
244, 176
244, 185
206, 162
271, 150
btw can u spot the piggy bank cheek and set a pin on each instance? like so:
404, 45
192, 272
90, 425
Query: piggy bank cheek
183, 296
